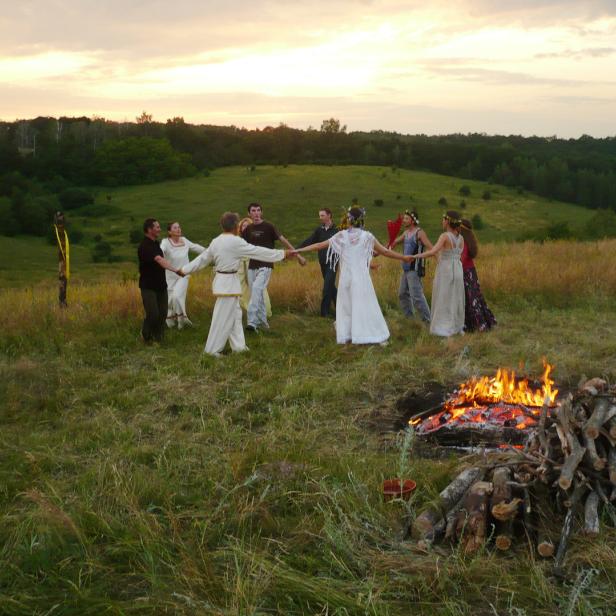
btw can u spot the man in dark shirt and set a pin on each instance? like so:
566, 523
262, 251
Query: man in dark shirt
261, 233
325, 231
152, 282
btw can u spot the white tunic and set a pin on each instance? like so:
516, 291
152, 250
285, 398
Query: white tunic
358, 315
225, 253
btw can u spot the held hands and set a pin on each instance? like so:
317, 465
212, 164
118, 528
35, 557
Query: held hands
180, 273
301, 260
409, 258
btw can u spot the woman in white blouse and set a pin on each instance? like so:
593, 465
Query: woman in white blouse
175, 249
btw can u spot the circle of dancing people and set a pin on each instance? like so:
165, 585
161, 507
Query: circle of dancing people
243, 257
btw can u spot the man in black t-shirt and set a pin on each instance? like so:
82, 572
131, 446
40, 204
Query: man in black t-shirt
261, 233
152, 282
325, 231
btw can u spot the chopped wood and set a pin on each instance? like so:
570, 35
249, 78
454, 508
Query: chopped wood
591, 515
473, 517
501, 494
597, 462
597, 419
565, 534
423, 526
611, 461
506, 511
612, 427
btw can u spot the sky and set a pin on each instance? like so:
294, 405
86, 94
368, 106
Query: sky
517, 67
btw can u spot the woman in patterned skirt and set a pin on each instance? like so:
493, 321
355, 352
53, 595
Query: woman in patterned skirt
477, 315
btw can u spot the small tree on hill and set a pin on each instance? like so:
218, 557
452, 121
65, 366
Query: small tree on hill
465, 190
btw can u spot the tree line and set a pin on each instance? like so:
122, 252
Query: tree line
42, 158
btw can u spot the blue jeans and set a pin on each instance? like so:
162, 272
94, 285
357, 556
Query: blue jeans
258, 279
411, 296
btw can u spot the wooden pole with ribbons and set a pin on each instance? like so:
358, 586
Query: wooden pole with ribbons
64, 261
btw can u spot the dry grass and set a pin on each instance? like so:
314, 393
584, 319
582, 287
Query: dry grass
559, 272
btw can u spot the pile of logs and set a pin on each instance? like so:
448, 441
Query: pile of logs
544, 491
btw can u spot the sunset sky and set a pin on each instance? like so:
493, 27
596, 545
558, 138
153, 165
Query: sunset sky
535, 67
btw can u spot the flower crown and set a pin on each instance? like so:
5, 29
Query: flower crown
413, 215
348, 220
452, 221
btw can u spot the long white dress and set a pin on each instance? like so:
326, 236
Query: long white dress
358, 315
448, 291
177, 287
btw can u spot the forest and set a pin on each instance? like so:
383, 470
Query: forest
51, 163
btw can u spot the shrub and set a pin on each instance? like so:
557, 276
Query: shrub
487, 195
379, 203
477, 222
135, 236
442, 201
102, 252
462, 204
602, 224
465, 190
72, 198
8, 223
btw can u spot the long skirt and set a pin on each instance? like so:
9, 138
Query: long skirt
477, 316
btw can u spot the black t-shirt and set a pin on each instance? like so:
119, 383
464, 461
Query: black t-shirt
151, 275
264, 234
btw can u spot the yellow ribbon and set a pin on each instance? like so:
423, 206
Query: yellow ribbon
67, 256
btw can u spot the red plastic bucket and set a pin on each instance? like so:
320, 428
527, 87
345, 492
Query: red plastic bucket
396, 488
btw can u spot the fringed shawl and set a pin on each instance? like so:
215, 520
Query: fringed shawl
346, 239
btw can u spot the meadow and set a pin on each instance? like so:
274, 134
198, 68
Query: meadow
154, 480
291, 197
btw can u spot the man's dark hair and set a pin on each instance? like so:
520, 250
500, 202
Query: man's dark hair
326, 210
229, 221
148, 223
251, 205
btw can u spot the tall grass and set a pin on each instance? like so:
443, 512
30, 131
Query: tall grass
554, 273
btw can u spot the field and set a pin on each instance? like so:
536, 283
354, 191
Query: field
291, 197
153, 480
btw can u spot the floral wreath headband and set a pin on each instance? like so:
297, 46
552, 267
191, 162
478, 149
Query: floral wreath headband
352, 218
413, 216
452, 221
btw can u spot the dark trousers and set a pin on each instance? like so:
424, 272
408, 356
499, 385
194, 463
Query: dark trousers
155, 306
329, 289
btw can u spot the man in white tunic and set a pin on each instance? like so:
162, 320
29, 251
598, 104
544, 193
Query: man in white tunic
225, 254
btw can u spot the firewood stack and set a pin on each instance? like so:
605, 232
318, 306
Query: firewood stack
564, 473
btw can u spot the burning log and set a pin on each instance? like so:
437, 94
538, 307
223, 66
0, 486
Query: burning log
424, 525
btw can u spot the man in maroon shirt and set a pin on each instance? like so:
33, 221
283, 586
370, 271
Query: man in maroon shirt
261, 233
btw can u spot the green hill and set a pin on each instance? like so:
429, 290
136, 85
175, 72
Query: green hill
290, 197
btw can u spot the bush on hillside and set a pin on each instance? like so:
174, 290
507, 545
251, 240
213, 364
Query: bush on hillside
442, 201
379, 203
135, 236
601, 225
102, 252
477, 222
72, 198
465, 190
487, 195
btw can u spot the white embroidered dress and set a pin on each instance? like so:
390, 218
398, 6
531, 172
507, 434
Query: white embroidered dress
177, 287
225, 253
448, 291
359, 319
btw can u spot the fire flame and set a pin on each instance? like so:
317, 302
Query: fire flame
503, 399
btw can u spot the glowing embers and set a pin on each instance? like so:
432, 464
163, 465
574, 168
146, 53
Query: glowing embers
494, 409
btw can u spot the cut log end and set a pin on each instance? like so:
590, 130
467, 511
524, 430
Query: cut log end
545, 549
503, 542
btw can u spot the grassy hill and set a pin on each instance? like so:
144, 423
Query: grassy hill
291, 197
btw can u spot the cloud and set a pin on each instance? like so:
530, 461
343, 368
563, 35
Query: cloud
578, 54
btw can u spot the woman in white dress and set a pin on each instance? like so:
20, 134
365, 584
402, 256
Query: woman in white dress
448, 286
175, 249
359, 319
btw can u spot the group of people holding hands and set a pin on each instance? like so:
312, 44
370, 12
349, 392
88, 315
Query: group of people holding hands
244, 253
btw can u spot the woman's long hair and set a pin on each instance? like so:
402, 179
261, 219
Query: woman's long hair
470, 239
